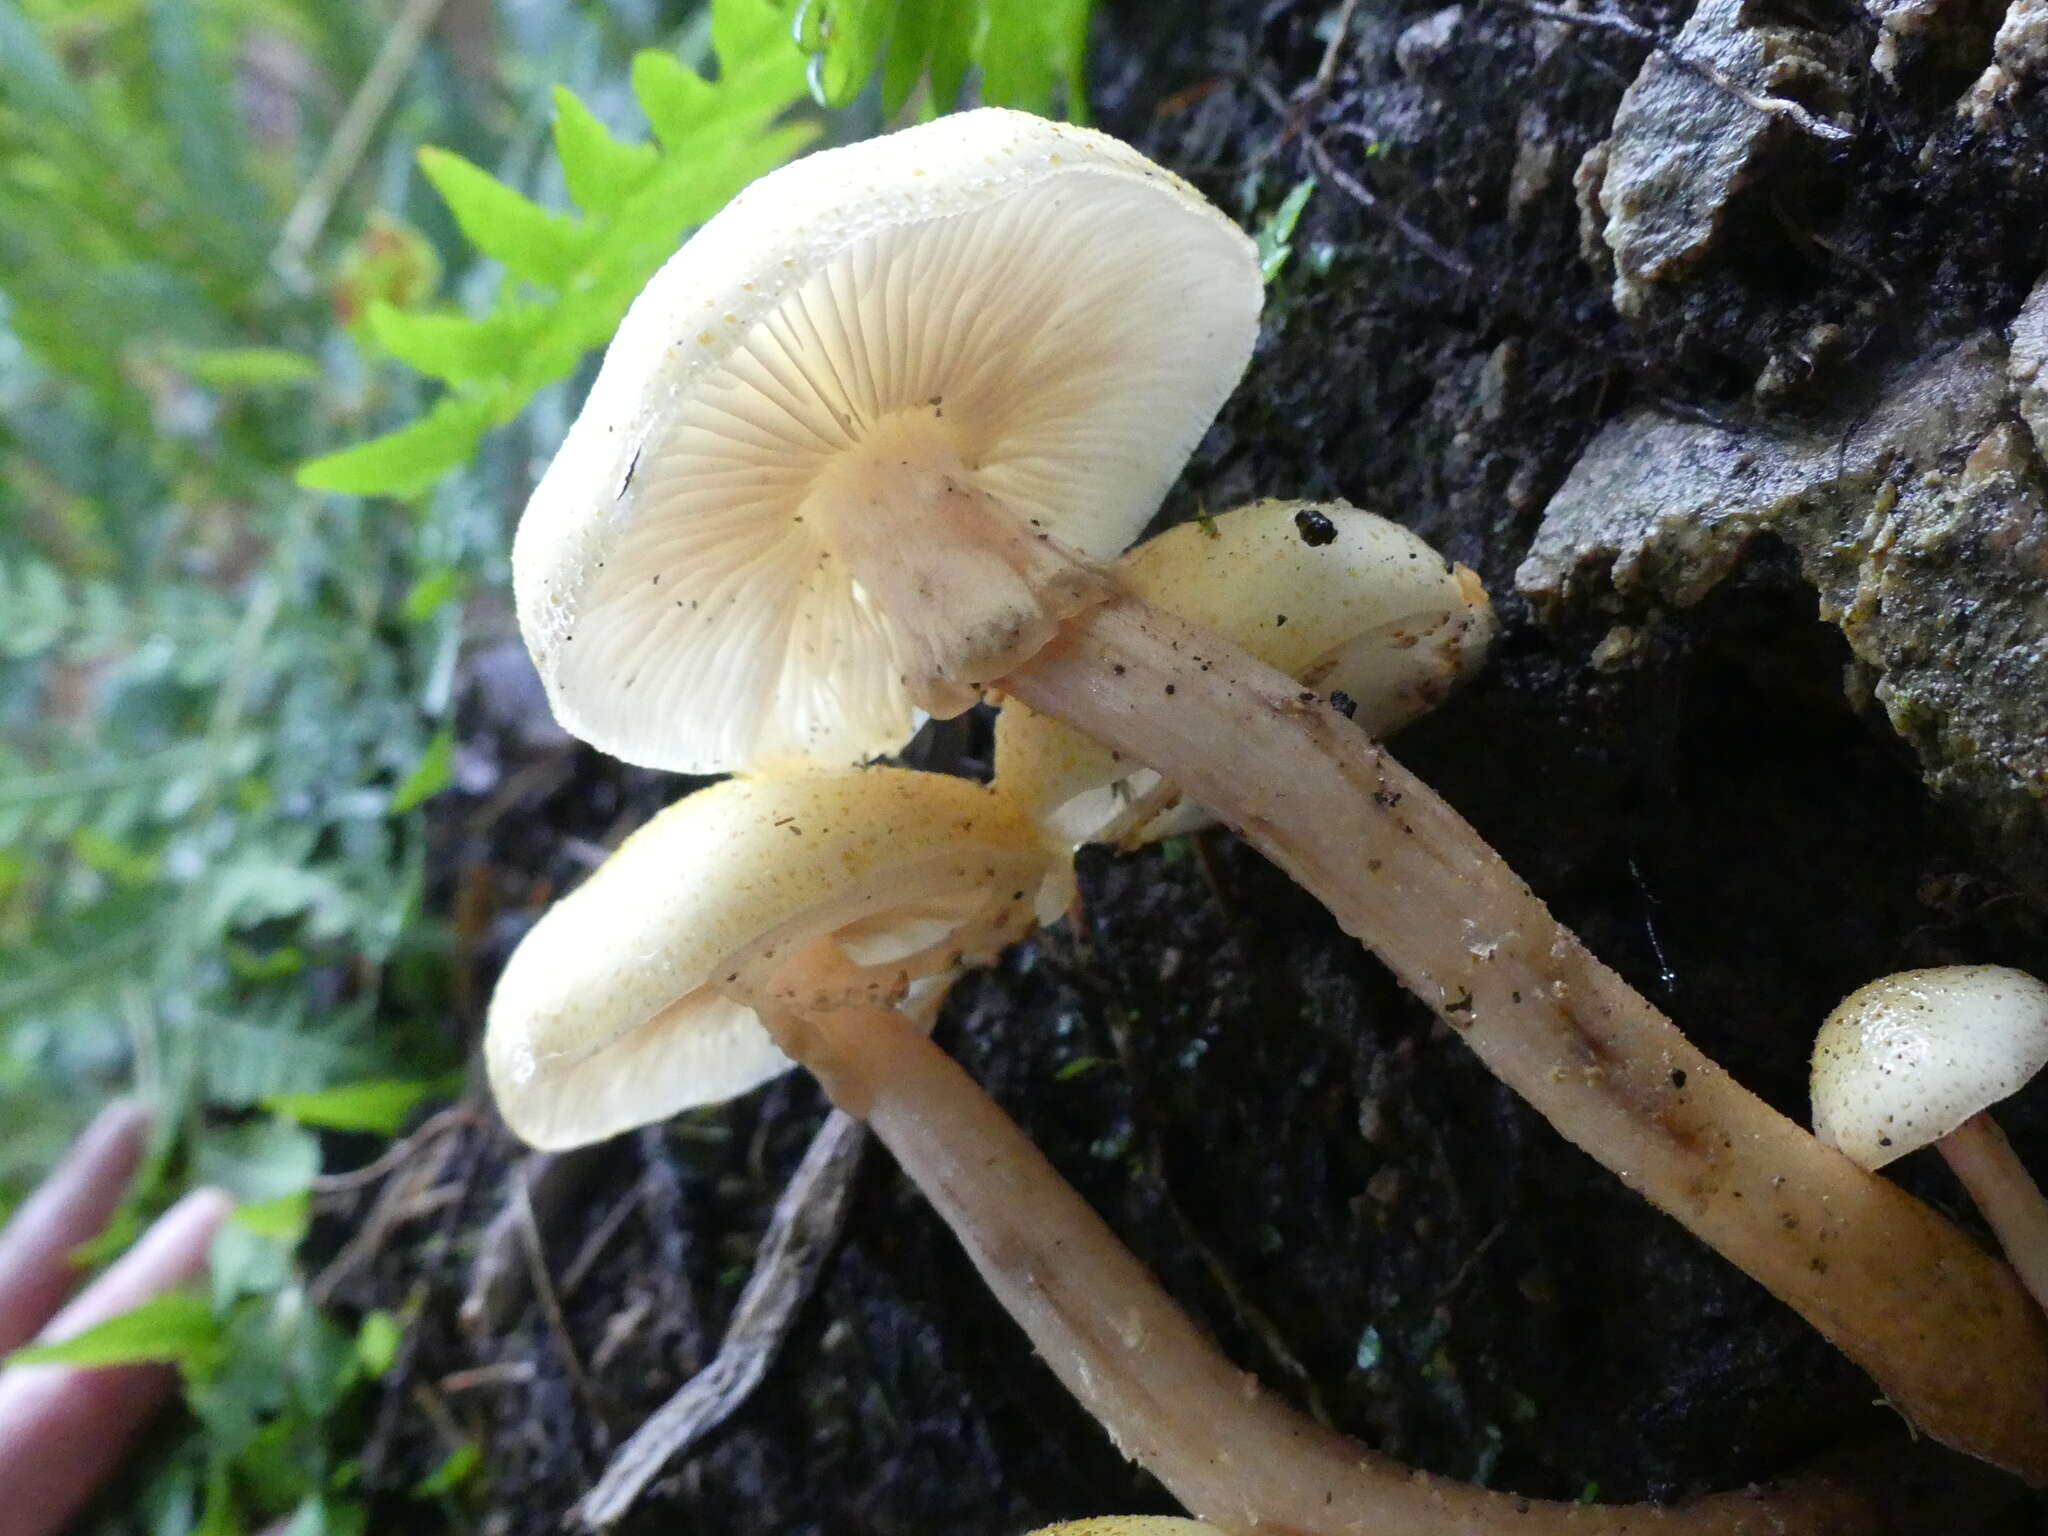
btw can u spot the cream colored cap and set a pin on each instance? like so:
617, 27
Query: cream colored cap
1037, 307
1906, 1060
1339, 598
1131, 1525
609, 1013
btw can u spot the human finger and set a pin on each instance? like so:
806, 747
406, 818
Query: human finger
68, 1208
64, 1428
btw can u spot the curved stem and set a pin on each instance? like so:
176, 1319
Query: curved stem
2006, 1194
1226, 1448
1944, 1327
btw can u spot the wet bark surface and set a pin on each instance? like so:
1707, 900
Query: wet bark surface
1311, 1163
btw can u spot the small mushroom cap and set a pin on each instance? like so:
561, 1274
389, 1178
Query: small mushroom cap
1038, 309
1344, 600
609, 1013
1906, 1060
1131, 1525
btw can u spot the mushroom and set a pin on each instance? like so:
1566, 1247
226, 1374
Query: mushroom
618, 1008
1343, 601
856, 451
1917, 1059
803, 909
854, 448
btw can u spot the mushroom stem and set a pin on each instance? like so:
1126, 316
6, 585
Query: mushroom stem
908, 520
1873, 1269
2006, 1194
1227, 1449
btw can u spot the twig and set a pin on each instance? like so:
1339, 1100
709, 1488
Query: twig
1366, 198
497, 1277
1691, 63
406, 1197
1339, 35
800, 1235
504, 1373
452, 1118
544, 1290
1464, 1272
308, 216
600, 1239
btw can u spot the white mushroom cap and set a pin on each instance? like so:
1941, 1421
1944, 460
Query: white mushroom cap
609, 1013
1036, 310
1904, 1061
1339, 598
1131, 1525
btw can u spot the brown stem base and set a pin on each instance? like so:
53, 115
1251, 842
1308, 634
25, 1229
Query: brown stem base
1946, 1329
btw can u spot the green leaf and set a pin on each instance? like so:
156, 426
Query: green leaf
36, 81
244, 367
322, 1515
1276, 232
432, 590
846, 42
444, 344
756, 63
918, 25
377, 1342
451, 1474
244, 1263
1015, 54
281, 1220
712, 137
436, 768
410, 460
601, 172
381, 1107
198, 100
532, 243
263, 1160
677, 100
178, 1329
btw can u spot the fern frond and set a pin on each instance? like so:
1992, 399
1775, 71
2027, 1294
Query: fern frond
570, 280
1030, 52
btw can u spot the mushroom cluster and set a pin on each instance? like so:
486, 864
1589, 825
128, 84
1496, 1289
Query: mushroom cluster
860, 449
824, 913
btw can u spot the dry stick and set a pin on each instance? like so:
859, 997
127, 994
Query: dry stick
543, 1182
1945, 1328
1228, 1450
800, 1235
544, 1291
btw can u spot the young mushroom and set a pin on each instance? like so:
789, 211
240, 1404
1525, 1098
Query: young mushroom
801, 911
1343, 601
856, 450
1917, 1059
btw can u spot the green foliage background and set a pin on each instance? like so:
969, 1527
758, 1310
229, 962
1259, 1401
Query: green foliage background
254, 502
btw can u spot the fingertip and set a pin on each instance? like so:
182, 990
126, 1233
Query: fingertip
125, 1119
